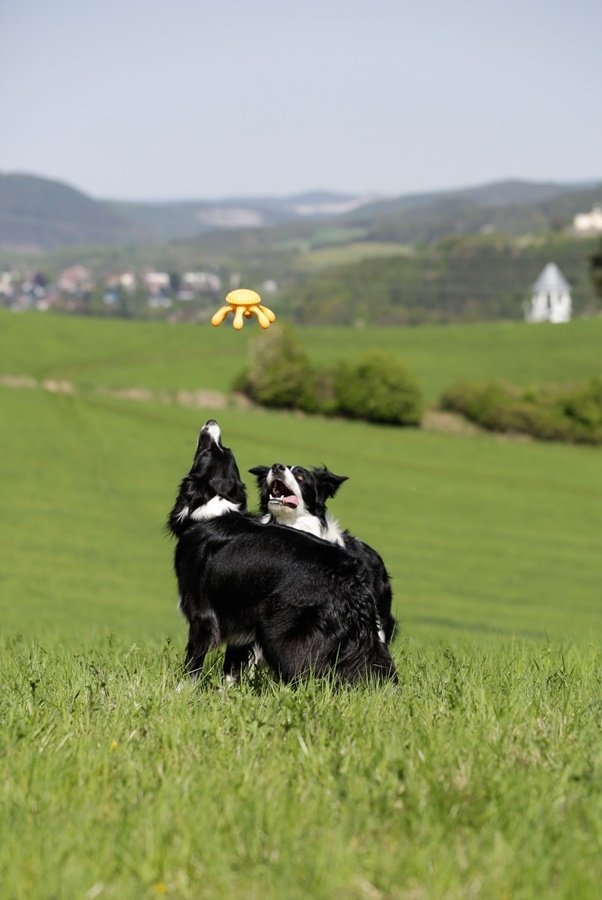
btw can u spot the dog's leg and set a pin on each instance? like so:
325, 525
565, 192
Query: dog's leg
203, 634
236, 661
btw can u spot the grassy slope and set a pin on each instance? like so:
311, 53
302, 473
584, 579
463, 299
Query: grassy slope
156, 355
481, 776
478, 533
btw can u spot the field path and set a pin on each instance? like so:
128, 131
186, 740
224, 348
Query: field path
194, 399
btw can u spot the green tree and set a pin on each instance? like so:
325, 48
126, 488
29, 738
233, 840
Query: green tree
595, 270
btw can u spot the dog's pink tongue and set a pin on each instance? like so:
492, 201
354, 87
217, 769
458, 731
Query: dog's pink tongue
291, 500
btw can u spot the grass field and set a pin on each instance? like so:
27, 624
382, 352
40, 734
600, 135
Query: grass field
480, 776
355, 251
160, 356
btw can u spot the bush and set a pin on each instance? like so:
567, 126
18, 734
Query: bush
279, 373
584, 404
319, 396
548, 413
378, 389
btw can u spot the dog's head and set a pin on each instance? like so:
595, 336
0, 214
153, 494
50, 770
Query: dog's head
213, 486
290, 493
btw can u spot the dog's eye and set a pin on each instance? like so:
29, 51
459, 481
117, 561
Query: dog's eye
298, 473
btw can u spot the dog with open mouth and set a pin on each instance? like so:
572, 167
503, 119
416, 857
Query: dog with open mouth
306, 604
296, 497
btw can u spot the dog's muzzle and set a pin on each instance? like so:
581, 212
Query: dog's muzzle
280, 495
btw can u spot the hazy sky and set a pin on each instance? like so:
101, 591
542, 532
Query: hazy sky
189, 99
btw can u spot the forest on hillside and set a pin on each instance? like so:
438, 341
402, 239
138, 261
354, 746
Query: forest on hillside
457, 279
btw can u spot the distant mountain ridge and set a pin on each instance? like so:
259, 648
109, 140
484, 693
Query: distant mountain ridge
38, 213
189, 218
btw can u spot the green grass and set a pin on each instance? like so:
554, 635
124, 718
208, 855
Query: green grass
339, 254
479, 533
479, 776
160, 356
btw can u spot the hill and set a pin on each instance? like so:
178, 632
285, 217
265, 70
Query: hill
511, 207
38, 214
188, 219
457, 279
506, 207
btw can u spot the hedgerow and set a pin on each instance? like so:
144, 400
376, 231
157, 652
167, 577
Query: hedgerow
567, 413
377, 388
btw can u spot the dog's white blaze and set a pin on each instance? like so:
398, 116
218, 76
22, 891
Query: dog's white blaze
215, 432
217, 506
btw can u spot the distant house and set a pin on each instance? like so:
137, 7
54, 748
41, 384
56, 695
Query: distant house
7, 284
156, 282
76, 280
199, 282
589, 223
550, 297
125, 280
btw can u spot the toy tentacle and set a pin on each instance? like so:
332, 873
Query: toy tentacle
218, 317
268, 312
238, 317
261, 318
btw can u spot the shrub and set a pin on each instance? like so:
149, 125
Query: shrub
584, 404
279, 373
548, 413
378, 389
319, 397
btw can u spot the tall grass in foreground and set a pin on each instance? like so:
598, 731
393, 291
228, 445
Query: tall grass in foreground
479, 776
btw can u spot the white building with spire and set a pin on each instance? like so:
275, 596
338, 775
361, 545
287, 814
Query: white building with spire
550, 297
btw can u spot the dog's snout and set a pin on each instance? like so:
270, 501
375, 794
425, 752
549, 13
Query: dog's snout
210, 434
278, 467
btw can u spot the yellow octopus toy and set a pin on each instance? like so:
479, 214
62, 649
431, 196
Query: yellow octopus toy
243, 303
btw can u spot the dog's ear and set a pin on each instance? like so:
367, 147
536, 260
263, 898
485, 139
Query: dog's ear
328, 481
260, 473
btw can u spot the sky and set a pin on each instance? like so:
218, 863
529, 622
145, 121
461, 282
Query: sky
187, 99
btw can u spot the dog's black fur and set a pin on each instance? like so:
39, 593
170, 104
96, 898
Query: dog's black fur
296, 496
306, 604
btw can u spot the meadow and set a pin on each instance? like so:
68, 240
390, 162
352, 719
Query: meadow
126, 354
480, 775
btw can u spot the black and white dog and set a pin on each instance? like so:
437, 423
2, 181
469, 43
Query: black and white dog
296, 496
306, 604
